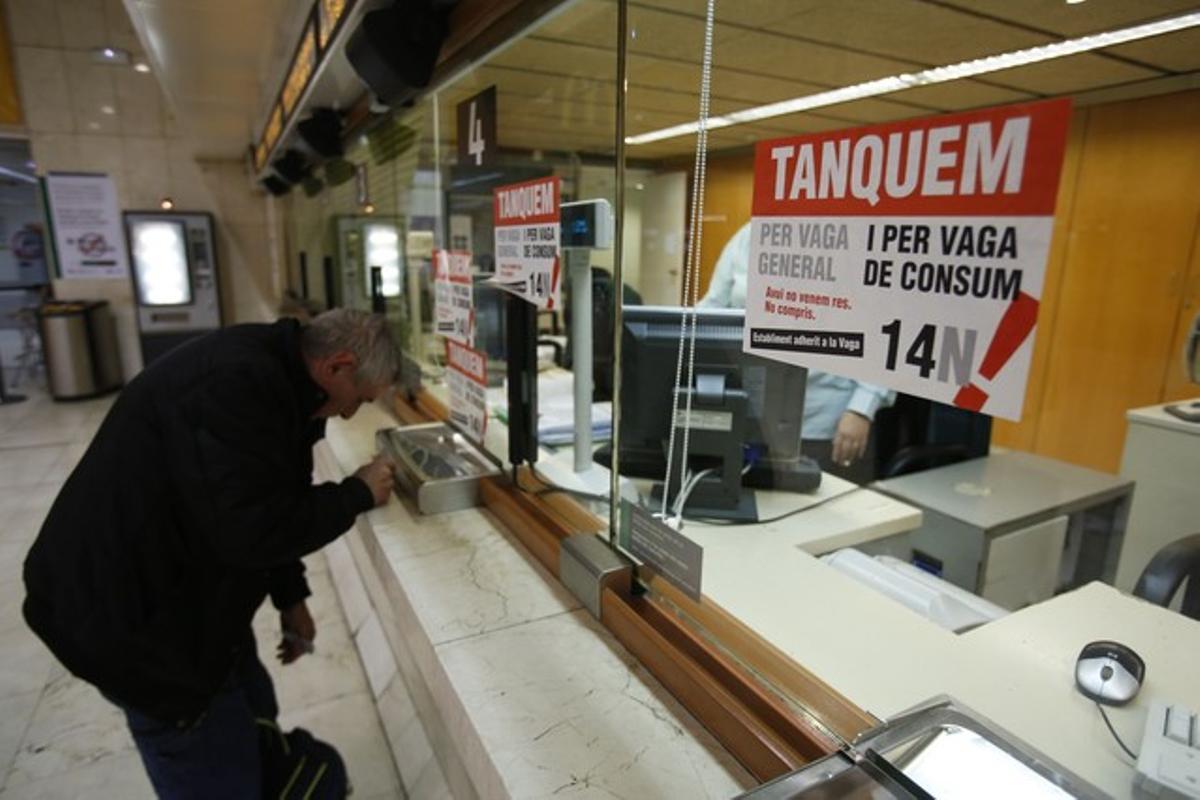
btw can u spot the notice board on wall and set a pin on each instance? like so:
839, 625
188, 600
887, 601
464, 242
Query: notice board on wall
911, 254
88, 239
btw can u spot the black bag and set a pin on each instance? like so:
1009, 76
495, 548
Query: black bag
297, 765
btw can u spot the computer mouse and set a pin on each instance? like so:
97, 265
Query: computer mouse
1109, 672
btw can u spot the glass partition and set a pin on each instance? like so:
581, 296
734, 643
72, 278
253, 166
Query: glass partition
776, 465
552, 115
763, 469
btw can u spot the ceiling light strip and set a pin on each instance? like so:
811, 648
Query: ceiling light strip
909, 80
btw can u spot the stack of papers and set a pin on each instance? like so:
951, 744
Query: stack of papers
556, 411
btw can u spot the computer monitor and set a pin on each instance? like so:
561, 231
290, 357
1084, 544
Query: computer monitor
603, 314
746, 411
489, 317
491, 325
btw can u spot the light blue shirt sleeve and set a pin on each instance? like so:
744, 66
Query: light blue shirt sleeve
827, 396
727, 289
867, 398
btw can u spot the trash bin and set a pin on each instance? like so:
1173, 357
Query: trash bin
79, 344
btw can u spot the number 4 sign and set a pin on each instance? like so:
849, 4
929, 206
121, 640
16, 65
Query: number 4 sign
477, 129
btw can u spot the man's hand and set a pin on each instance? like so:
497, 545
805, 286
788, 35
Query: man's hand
850, 439
299, 630
378, 477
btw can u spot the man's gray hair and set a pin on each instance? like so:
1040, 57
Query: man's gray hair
367, 336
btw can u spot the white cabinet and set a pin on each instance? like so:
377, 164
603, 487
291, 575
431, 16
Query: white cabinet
1162, 454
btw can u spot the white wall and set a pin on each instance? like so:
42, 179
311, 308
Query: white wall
600, 182
64, 96
662, 246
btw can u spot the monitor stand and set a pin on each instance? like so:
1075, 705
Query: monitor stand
799, 474
718, 424
746, 509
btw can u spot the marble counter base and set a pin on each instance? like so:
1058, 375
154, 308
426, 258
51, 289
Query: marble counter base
517, 691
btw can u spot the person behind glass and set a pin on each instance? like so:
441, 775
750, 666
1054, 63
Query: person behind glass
838, 411
193, 503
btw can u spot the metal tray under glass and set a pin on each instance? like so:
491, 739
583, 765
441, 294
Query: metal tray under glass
436, 465
940, 749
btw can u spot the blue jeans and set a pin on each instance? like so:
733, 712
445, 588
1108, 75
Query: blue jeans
218, 755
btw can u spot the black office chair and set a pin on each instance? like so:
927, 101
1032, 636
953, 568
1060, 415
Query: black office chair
917, 434
559, 351
1165, 573
603, 314
920, 457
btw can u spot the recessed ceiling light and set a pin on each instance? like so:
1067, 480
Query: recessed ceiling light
166, 204
141, 66
368, 208
909, 80
109, 55
1074, 2
107, 110
93, 126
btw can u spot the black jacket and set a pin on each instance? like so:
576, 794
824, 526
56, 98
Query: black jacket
193, 501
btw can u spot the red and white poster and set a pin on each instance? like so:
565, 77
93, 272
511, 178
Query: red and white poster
909, 255
453, 299
466, 377
527, 223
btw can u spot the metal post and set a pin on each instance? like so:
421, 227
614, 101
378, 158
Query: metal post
5, 397
330, 290
579, 268
378, 305
614, 515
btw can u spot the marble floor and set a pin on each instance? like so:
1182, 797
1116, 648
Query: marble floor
58, 737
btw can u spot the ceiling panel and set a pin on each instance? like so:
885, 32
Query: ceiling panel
782, 57
910, 30
218, 77
961, 95
641, 121
544, 88
642, 98
754, 13
650, 71
556, 85
870, 110
558, 57
1177, 52
666, 34
1073, 74
757, 89
590, 21
1063, 19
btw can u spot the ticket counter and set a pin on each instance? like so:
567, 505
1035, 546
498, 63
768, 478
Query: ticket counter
749, 656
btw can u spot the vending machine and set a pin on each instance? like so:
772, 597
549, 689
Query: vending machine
365, 242
173, 262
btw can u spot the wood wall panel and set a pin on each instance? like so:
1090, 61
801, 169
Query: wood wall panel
728, 196
1022, 435
1122, 284
1176, 384
1128, 250
10, 104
